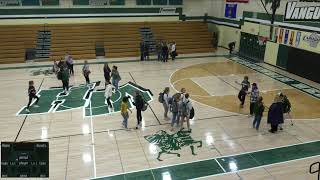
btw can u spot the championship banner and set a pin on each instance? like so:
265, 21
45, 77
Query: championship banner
291, 38
286, 36
302, 11
281, 33
230, 11
276, 34
298, 37
237, 1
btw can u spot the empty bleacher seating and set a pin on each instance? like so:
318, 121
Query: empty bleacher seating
118, 39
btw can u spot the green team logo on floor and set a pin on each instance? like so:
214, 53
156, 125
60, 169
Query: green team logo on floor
172, 142
87, 97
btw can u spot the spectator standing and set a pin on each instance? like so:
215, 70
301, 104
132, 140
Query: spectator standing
115, 77
86, 72
106, 72
275, 114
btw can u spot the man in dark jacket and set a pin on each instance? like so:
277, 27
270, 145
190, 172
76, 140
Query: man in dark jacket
275, 114
65, 79
139, 103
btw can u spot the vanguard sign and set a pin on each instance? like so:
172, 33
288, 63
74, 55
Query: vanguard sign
302, 11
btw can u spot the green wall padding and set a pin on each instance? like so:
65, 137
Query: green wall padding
117, 2
50, 2
282, 57
143, 2
81, 2
29, 3
175, 2
160, 2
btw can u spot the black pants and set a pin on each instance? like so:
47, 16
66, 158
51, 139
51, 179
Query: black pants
87, 79
242, 97
71, 69
65, 85
173, 55
139, 116
109, 102
251, 107
274, 128
30, 100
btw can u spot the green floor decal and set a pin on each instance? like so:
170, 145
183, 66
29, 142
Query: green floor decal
99, 106
83, 96
167, 143
227, 164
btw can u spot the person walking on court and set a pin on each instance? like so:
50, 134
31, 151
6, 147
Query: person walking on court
108, 94
175, 111
106, 72
115, 77
275, 114
173, 51
139, 103
65, 79
158, 49
245, 85
124, 111
286, 107
254, 94
86, 71
32, 93
231, 45
69, 62
186, 107
258, 113
141, 51
165, 103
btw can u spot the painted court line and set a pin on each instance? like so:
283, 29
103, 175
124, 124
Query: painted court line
303, 87
238, 170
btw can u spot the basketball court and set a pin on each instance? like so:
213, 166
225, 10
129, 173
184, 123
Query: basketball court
87, 141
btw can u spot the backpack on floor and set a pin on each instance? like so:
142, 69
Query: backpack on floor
160, 98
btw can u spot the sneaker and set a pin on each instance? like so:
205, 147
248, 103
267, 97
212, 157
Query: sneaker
36, 106
27, 110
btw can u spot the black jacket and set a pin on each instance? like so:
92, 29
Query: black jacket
138, 102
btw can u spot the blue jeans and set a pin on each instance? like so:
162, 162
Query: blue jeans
174, 118
115, 83
256, 121
125, 119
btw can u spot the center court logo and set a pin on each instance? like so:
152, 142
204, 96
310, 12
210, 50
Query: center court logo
312, 39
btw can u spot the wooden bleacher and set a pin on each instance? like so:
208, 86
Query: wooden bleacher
118, 39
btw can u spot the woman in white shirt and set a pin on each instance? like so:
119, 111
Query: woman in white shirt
165, 103
108, 93
173, 51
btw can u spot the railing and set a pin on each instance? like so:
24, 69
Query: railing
317, 170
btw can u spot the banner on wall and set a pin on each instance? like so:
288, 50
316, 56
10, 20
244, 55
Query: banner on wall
230, 11
276, 34
281, 32
298, 37
286, 36
237, 1
291, 38
312, 39
302, 11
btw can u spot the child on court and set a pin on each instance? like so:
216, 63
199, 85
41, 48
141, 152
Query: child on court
124, 111
254, 94
258, 112
175, 111
86, 72
245, 85
32, 95
185, 108
108, 94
